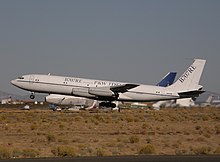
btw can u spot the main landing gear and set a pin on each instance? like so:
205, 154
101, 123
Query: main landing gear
111, 105
107, 104
32, 96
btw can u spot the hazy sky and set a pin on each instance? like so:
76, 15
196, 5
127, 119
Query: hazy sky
123, 40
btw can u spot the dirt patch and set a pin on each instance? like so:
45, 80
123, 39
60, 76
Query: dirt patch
43, 133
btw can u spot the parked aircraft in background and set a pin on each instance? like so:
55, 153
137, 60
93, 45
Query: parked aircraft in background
108, 91
66, 100
208, 102
212, 100
183, 102
216, 102
71, 102
167, 79
189, 102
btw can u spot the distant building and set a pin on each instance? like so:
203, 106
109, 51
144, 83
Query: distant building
10, 100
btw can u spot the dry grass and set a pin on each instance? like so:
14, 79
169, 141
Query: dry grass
43, 133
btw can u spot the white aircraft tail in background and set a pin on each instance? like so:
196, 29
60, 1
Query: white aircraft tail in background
93, 106
185, 102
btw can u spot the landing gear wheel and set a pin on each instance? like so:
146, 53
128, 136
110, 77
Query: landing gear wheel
113, 105
32, 96
107, 104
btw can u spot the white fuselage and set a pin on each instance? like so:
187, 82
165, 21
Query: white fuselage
80, 87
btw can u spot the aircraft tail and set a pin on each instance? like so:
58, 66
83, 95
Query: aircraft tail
188, 83
93, 106
209, 99
167, 79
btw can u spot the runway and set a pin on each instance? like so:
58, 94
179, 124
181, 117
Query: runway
160, 158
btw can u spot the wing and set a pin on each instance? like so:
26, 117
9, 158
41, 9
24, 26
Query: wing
123, 88
111, 91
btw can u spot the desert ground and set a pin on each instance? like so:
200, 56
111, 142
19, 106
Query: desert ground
170, 131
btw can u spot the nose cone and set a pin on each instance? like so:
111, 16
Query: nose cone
14, 82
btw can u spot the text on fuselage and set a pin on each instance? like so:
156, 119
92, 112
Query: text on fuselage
103, 83
96, 82
74, 80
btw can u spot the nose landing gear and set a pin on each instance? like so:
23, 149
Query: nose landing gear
32, 96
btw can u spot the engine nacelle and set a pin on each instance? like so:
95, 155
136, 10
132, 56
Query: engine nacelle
105, 92
84, 92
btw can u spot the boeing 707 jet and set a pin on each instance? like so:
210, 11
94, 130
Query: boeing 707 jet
108, 91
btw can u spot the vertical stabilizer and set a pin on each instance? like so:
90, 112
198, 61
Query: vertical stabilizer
167, 79
209, 99
93, 106
189, 80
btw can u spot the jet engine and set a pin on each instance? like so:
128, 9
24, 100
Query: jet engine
105, 92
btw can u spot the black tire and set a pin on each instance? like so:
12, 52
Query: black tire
32, 96
113, 105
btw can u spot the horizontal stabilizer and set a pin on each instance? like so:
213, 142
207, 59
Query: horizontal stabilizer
190, 94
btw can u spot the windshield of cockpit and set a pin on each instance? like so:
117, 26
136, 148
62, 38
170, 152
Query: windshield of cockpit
20, 77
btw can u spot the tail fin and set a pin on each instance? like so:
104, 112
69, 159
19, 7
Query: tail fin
209, 99
167, 79
189, 80
93, 106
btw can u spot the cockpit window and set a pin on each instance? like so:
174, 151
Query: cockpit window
20, 77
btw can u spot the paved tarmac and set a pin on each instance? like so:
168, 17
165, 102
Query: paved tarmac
210, 158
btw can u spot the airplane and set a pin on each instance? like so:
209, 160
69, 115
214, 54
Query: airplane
65, 100
72, 101
182, 102
108, 91
208, 101
56, 99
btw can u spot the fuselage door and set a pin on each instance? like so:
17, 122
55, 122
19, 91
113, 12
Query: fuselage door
31, 79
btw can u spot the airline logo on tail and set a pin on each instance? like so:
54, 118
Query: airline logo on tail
187, 73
